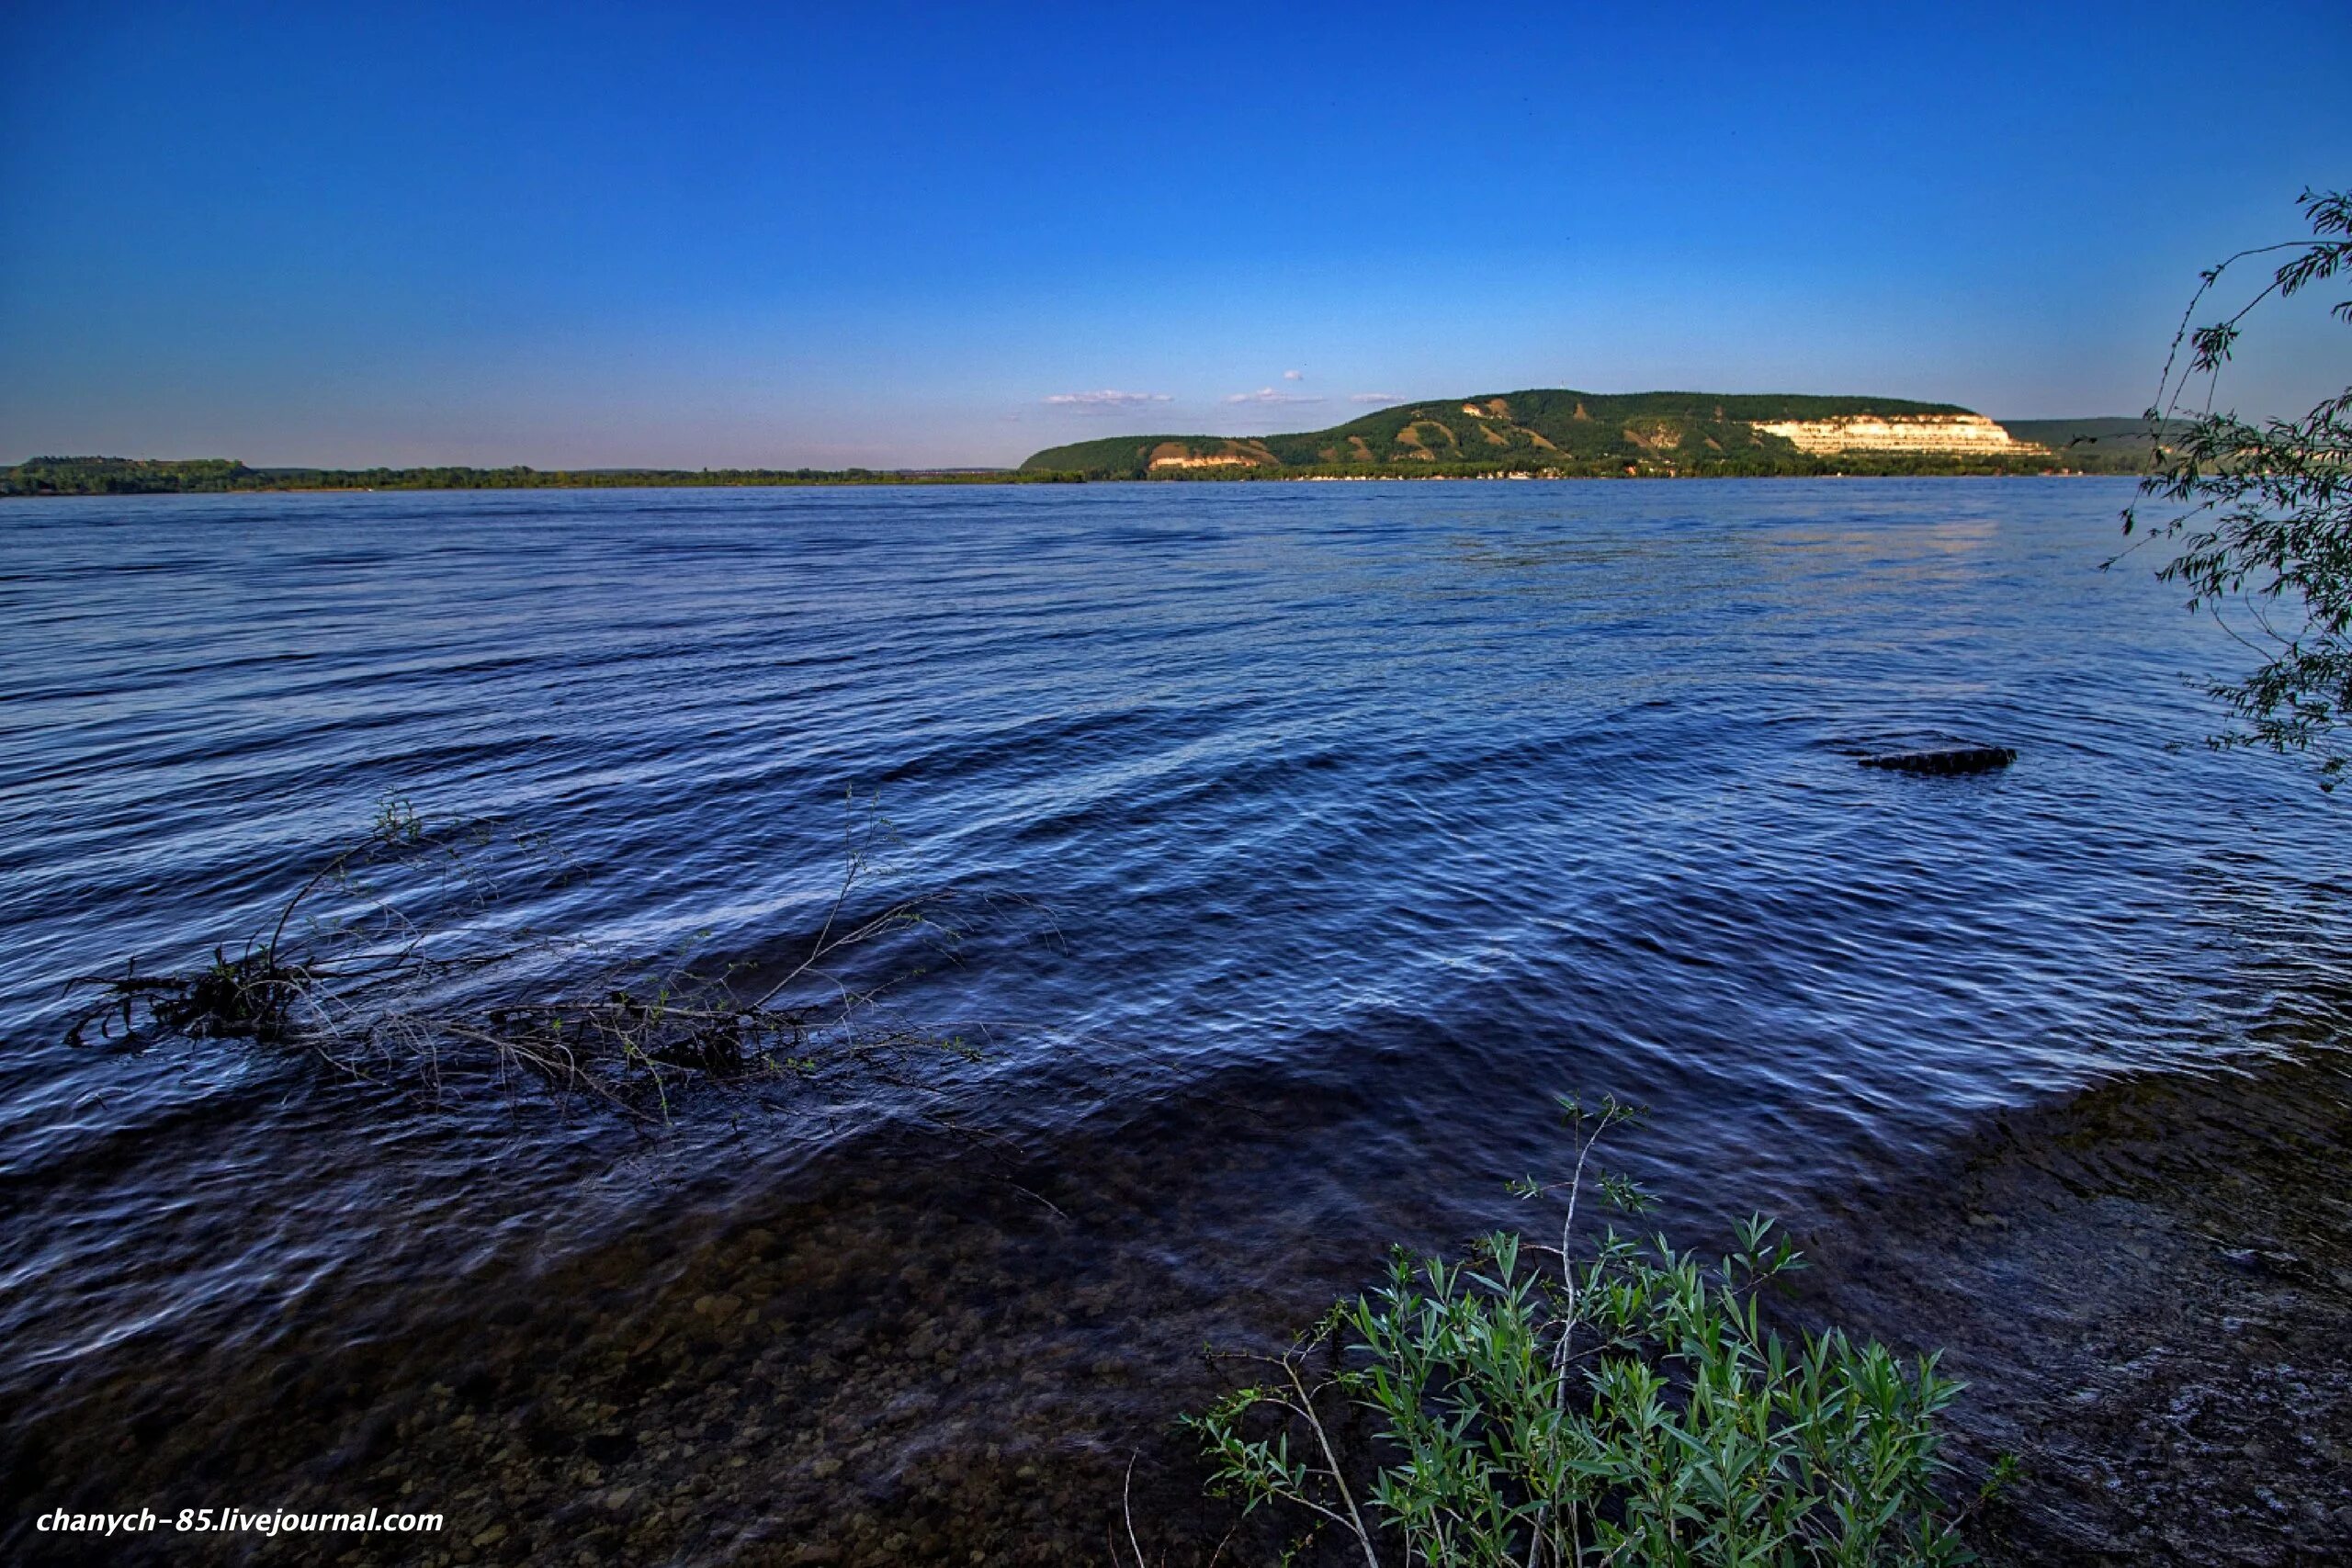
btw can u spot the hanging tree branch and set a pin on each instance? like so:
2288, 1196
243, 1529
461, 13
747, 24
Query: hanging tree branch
2261, 512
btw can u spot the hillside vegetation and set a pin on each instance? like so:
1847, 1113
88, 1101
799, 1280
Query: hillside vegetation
1562, 432
2120, 445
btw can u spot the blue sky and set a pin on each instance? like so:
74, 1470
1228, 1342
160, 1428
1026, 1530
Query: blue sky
780, 235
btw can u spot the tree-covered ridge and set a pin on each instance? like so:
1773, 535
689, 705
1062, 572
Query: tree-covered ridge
2091, 439
143, 475
1549, 430
120, 475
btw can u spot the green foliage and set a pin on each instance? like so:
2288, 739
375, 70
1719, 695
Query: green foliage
122, 476
2261, 515
1627, 1406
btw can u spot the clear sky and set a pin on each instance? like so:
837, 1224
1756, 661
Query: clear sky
776, 234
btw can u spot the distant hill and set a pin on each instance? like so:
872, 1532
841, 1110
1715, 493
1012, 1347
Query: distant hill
2086, 439
1554, 431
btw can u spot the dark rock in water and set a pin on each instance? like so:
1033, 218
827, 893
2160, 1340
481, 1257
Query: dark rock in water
1946, 760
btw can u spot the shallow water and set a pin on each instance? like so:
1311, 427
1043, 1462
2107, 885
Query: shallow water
1353, 820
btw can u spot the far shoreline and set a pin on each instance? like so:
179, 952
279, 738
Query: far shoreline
920, 480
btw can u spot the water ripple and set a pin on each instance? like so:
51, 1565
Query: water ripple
1405, 804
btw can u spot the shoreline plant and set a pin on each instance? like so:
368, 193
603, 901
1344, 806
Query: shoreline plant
1616, 1402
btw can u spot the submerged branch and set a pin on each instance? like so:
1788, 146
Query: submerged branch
378, 996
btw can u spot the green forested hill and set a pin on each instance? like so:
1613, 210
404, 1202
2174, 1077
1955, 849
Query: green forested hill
1536, 431
2088, 442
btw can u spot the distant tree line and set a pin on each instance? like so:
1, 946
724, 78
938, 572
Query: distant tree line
1119, 461
141, 476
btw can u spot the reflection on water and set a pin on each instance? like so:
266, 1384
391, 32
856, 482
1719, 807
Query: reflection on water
1368, 815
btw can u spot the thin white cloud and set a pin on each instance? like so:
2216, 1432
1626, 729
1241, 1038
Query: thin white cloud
1108, 398
1293, 375
1268, 395
1376, 397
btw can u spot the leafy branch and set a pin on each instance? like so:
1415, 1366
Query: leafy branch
2261, 513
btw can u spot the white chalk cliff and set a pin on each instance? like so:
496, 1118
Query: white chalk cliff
1970, 434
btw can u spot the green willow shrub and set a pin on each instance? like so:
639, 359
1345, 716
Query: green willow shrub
2261, 513
1530, 1408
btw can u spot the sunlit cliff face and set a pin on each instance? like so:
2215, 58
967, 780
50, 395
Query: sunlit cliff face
1939, 432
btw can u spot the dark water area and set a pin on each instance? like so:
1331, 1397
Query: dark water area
1325, 830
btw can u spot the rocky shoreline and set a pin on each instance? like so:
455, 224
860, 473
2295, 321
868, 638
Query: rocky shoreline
923, 1359
2149, 1288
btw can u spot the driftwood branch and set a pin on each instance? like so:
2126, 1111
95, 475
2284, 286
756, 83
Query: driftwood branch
374, 995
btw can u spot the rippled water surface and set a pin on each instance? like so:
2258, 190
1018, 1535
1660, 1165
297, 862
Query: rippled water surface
1331, 828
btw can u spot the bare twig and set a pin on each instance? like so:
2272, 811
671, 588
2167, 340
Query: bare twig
371, 994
